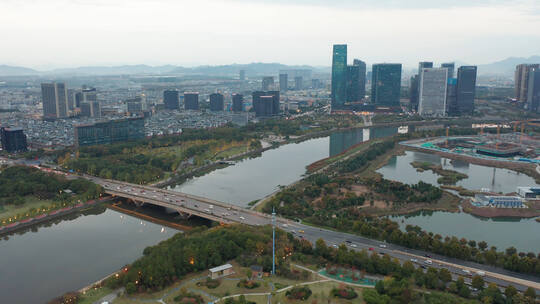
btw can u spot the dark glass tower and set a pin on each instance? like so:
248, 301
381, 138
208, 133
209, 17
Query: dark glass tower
191, 101
237, 102
533, 90
413, 93
283, 82
353, 75
171, 100
216, 102
339, 76
465, 91
386, 84
361, 77
451, 67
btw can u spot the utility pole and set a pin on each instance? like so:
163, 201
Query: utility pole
273, 241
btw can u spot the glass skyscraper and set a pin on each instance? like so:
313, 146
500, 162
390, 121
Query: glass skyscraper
466, 87
353, 89
386, 84
361, 78
339, 76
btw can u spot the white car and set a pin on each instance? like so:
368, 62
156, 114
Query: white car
466, 271
481, 273
414, 260
354, 245
382, 245
211, 206
242, 218
429, 262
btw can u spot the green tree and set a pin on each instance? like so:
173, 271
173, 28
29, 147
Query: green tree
510, 292
530, 293
444, 275
478, 282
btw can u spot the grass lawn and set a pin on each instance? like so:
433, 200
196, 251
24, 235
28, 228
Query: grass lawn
93, 295
321, 294
31, 202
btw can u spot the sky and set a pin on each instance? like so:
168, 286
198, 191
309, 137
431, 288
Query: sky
47, 34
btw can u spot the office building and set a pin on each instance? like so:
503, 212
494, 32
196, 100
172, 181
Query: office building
242, 75
316, 84
109, 132
353, 91
451, 67
216, 102
135, 105
361, 78
191, 101
306, 74
339, 76
267, 83
466, 89
55, 100
432, 93
424, 65
92, 109
78, 99
413, 93
533, 93
267, 106
521, 79
451, 97
283, 82
237, 102
171, 100
298, 83
386, 84
13, 140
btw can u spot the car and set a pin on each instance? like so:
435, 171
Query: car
242, 218
427, 255
285, 225
382, 245
347, 241
465, 271
211, 206
481, 273
206, 210
354, 245
429, 262
422, 266
335, 246
371, 249
301, 231
414, 260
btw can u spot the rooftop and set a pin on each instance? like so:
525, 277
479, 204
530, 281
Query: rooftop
220, 268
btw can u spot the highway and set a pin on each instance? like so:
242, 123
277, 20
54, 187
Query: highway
227, 213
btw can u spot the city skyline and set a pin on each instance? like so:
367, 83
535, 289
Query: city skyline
129, 32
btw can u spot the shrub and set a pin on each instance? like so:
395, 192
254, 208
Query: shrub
298, 293
249, 284
344, 293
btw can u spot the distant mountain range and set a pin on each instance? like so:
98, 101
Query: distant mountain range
504, 67
221, 70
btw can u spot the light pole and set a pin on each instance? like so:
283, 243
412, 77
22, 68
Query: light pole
273, 241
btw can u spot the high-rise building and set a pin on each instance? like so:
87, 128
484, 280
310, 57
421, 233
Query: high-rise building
55, 100
267, 106
78, 99
13, 140
237, 102
191, 100
242, 75
432, 94
451, 97
533, 93
521, 79
216, 102
386, 84
451, 67
283, 82
466, 89
316, 84
108, 132
424, 65
352, 83
413, 93
361, 77
171, 99
298, 83
267, 83
339, 76
93, 109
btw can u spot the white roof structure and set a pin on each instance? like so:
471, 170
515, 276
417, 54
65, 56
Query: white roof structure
220, 268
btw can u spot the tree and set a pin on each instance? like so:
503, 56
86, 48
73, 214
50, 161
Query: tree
482, 245
510, 292
444, 275
478, 282
530, 293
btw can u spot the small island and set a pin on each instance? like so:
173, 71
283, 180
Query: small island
448, 177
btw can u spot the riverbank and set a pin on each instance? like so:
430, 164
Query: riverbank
488, 212
29, 222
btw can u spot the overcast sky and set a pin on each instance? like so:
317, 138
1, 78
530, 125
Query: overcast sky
67, 33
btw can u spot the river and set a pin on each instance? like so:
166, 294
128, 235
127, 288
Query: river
42, 263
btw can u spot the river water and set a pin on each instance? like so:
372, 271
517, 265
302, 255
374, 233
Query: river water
48, 261
45, 262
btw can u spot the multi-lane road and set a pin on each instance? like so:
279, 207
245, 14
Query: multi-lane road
228, 213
